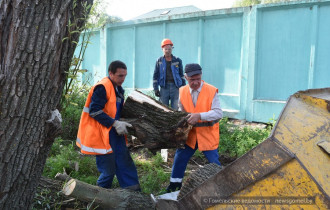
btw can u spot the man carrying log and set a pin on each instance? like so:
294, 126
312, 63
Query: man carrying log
102, 134
200, 99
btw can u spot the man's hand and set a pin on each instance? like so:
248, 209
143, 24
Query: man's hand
193, 118
157, 93
121, 127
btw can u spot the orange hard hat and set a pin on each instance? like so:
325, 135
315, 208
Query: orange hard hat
166, 42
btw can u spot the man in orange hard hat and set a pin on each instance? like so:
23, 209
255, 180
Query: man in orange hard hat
168, 74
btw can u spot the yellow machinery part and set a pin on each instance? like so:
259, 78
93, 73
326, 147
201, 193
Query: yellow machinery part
290, 180
304, 123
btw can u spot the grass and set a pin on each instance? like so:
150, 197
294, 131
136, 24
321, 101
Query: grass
152, 174
64, 157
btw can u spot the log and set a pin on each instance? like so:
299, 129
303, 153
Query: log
107, 198
197, 178
48, 189
155, 125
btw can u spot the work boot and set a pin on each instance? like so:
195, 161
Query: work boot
174, 186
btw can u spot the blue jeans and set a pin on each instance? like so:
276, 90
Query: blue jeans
119, 163
169, 92
182, 156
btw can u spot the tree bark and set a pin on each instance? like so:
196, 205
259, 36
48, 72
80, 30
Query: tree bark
197, 178
33, 62
51, 190
154, 124
107, 198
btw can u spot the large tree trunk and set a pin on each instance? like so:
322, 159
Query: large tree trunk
33, 61
155, 125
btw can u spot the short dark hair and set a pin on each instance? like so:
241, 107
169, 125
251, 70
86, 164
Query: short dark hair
114, 65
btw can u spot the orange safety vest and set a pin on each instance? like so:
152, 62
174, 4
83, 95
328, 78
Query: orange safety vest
205, 133
93, 138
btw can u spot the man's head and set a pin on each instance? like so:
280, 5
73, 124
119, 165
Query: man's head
117, 72
167, 47
193, 74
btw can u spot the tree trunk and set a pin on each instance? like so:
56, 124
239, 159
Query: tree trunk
50, 190
155, 125
197, 178
33, 61
107, 198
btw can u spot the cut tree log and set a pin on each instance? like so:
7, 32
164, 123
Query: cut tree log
107, 198
198, 177
48, 189
155, 125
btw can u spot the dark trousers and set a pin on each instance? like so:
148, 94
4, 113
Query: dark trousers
182, 157
119, 163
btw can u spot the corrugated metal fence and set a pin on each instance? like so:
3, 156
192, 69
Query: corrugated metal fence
256, 56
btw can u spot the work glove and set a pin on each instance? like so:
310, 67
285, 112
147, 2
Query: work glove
121, 127
157, 93
193, 118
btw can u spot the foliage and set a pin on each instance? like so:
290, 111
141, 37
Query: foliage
98, 18
64, 157
45, 200
151, 173
245, 3
236, 141
72, 74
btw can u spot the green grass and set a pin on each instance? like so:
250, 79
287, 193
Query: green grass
64, 157
152, 175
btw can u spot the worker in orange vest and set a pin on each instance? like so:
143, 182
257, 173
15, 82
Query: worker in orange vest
200, 99
102, 134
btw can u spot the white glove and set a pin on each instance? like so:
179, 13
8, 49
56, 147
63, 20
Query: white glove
121, 127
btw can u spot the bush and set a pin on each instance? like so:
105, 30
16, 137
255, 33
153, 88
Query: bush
236, 141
